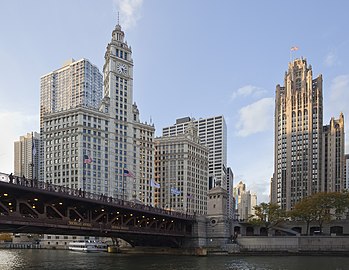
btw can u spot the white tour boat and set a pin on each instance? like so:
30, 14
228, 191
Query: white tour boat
88, 246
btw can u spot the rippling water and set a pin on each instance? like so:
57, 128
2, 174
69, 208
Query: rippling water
62, 259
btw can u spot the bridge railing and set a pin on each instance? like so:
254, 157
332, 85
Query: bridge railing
34, 183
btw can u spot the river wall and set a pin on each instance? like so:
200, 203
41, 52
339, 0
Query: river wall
297, 244
259, 245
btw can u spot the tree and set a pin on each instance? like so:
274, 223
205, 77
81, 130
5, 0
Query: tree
329, 205
320, 207
267, 215
304, 211
340, 203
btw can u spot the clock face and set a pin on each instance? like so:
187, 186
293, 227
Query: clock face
121, 68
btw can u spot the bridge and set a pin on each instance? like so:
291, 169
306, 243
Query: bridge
30, 206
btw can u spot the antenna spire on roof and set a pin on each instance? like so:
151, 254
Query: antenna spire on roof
118, 18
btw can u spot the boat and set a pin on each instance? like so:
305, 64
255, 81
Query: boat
88, 246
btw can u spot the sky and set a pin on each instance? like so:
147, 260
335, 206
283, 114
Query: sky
194, 58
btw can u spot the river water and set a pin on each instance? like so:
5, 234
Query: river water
68, 260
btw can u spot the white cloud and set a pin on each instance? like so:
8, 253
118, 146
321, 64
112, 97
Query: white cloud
129, 12
256, 117
248, 90
330, 59
339, 97
13, 125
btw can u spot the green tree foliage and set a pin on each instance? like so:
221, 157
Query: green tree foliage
303, 210
320, 207
267, 215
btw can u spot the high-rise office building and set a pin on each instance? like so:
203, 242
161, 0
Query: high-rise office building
75, 84
213, 134
346, 172
100, 148
230, 193
130, 140
245, 202
26, 157
333, 156
143, 145
181, 170
300, 138
77, 149
298, 130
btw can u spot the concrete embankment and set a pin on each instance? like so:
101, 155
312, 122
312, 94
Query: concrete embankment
298, 245
165, 251
259, 246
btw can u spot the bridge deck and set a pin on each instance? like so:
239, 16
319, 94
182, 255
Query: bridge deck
37, 207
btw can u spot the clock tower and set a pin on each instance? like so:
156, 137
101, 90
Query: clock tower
118, 104
129, 143
118, 76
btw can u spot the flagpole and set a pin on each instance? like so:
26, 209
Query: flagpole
123, 187
151, 196
293, 48
32, 163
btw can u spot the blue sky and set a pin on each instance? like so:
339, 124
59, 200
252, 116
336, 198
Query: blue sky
193, 58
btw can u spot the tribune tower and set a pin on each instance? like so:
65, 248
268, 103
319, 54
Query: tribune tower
298, 131
309, 157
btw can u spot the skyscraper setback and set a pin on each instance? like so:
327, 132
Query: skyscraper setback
75, 84
302, 144
213, 134
181, 164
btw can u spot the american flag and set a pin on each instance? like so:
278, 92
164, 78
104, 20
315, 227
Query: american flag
153, 183
128, 173
190, 196
33, 149
294, 48
87, 159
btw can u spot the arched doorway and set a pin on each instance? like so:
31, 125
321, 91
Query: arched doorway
249, 231
338, 230
263, 231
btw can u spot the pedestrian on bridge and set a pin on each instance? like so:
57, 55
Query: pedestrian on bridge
24, 180
11, 178
36, 182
